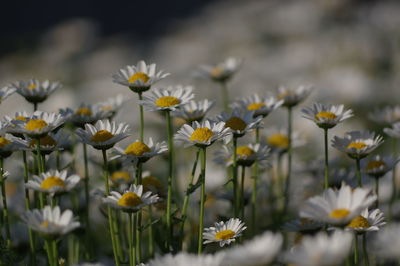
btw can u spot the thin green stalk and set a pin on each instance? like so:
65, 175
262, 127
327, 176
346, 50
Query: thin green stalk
394, 185
49, 251
358, 172
39, 157
32, 244
35, 107
202, 199
141, 118
289, 154
58, 160
170, 177
131, 230
88, 253
365, 252
377, 192
355, 249
235, 179
55, 251
254, 190
225, 95
150, 235
326, 183
139, 218
5, 209
242, 193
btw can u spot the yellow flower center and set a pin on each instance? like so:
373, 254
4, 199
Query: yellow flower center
285, 94
139, 76
107, 108
255, 106
325, 114
235, 123
224, 234
102, 135
278, 140
35, 124
339, 213
375, 164
130, 199
357, 145
167, 101
84, 111
358, 222
244, 151
4, 142
137, 149
20, 118
32, 86
45, 141
52, 181
201, 134
216, 72
120, 175
151, 183
45, 224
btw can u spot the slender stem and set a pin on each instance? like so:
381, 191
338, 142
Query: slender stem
49, 250
105, 165
365, 252
39, 157
35, 106
170, 177
141, 118
32, 244
202, 199
326, 183
355, 249
58, 160
5, 209
358, 165
55, 251
225, 95
242, 192
151, 237
377, 191
138, 181
254, 190
131, 230
87, 203
394, 185
235, 179
289, 154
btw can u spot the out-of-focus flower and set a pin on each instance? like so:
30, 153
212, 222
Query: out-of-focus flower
10, 144
140, 151
51, 142
386, 243
223, 71
184, 259
5, 92
168, 99
84, 114
112, 105
394, 132
53, 182
35, 91
357, 144
293, 96
367, 221
387, 115
224, 233
121, 178
303, 225
378, 166
278, 140
246, 155
259, 105
240, 122
326, 116
193, 111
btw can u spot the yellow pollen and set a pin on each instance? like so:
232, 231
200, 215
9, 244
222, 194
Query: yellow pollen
167, 101
216, 72
235, 123
45, 224
255, 106
224, 234
45, 141
107, 108
84, 111
52, 181
358, 222
325, 114
120, 175
139, 76
35, 124
102, 135
4, 142
130, 199
244, 151
201, 134
32, 86
339, 213
151, 183
20, 118
375, 165
357, 145
137, 148
278, 140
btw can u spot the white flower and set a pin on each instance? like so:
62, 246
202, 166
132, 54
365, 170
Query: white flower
367, 221
240, 122
185, 259
394, 132
121, 178
386, 243
378, 166
35, 91
260, 250
326, 116
357, 144
10, 144
338, 207
223, 71
387, 115
104, 134
85, 114
321, 250
139, 78
168, 99
38, 124
303, 225
51, 142
10, 126
140, 151
202, 134
278, 140
224, 233
259, 105
112, 105
50, 221
53, 182
193, 111
246, 155
293, 96
132, 200
5, 92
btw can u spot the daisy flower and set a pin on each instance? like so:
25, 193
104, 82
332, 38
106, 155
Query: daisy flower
185, 259
139, 78
10, 144
259, 105
246, 155
223, 71
112, 105
9, 122
85, 114
378, 166
53, 182
261, 250
121, 178
50, 221
386, 243
35, 91
193, 111
367, 221
303, 225
224, 233
51, 142
132, 200
38, 124
168, 99
240, 122
202, 134
357, 144
154, 185
387, 115
103, 135
321, 250
293, 96
5, 92
393, 132
141, 151
326, 116
278, 140
338, 207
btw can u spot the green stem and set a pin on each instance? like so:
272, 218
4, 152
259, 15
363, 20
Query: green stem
326, 183
170, 177
58, 160
5, 209
365, 252
242, 192
88, 249
105, 169
254, 190
139, 218
141, 118
39, 157
355, 249
358, 172
225, 96
35, 106
289, 154
55, 251
151, 237
377, 192
202, 199
394, 185
235, 179
32, 244
131, 230
49, 250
